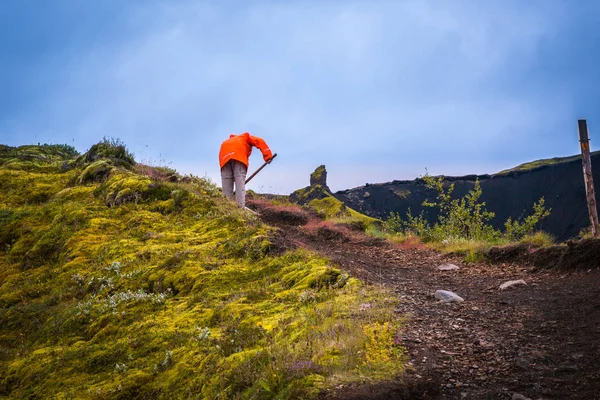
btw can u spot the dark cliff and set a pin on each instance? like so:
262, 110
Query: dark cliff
509, 194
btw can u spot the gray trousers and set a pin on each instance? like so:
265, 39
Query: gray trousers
234, 171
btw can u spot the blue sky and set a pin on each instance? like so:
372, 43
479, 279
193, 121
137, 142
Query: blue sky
375, 90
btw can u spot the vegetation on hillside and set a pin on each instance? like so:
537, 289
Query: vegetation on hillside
544, 162
116, 282
463, 223
319, 199
318, 175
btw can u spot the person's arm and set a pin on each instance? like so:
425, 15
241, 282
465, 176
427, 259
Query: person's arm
262, 146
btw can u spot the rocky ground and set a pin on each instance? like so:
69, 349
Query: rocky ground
539, 340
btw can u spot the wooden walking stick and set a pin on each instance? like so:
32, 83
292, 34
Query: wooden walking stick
258, 170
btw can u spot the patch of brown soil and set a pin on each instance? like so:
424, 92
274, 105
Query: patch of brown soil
328, 231
574, 255
279, 215
512, 253
406, 388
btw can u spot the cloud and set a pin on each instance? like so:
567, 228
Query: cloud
358, 86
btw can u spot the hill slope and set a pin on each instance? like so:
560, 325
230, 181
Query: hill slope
535, 339
117, 283
510, 193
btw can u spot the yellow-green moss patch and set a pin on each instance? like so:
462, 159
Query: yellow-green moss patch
131, 287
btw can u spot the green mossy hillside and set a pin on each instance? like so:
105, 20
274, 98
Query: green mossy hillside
319, 199
111, 150
333, 209
305, 195
114, 284
40, 158
544, 162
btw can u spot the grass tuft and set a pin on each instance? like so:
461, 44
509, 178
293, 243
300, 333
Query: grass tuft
538, 239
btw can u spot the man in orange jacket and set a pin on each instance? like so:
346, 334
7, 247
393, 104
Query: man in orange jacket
233, 159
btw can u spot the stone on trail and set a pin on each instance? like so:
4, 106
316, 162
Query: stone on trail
518, 396
447, 296
447, 267
508, 284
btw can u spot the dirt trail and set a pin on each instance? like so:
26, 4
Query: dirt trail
541, 340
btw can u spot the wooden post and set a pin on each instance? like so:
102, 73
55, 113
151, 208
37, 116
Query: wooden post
588, 179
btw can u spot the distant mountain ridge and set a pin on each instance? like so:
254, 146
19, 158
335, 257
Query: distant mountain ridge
510, 193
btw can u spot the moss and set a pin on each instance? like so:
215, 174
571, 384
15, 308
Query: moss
95, 172
10, 228
329, 207
130, 287
318, 173
403, 194
126, 187
334, 209
313, 192
542, 163
318, 176
112, 150
368, 222
24, 187
41, 158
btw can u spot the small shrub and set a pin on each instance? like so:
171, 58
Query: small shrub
463, 219
516, 230
412, 226
394, 223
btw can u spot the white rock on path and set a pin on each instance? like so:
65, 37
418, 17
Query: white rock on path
448, 297
508, 284
518, 396
447, 267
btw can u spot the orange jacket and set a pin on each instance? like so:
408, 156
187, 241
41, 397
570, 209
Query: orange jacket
239, 147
